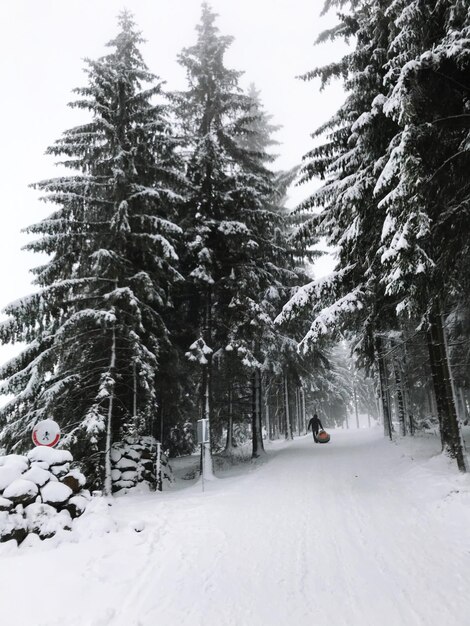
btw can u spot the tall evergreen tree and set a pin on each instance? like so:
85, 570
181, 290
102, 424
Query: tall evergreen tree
95, 330
424, 243
350, 160
394, 163
229, 219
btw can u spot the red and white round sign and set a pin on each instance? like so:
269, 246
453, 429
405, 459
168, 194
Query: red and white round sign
46, 433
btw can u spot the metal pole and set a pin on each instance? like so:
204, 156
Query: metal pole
202, 465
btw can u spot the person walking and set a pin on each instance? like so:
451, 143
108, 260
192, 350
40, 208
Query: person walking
316, 425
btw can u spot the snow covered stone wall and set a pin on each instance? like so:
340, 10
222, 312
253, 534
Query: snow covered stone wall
133, 462
39, 493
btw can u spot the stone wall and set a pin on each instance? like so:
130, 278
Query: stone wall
39, 493
133, 463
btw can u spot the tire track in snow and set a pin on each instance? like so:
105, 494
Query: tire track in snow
125, 614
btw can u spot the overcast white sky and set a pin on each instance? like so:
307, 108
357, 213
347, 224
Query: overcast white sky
42, 46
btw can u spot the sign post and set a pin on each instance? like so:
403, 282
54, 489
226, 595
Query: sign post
203, 440
46, 433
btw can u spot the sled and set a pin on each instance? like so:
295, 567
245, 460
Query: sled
323, 437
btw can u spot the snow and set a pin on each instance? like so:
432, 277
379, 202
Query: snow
60, 470
115, 455
44, 520
357, 532
126, 465
129, 475
55, 492
51, 456
14, 460
8, 474
5, 504
79, 477
21, 489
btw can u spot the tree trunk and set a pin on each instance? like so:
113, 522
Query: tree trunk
206, 448
108, 483
298, 413
387, 418
267, 415
379, 411
399, 392
289, 434
134, 390
406, 392
431, 401
207, 388
355, 407
304, 412
256, 425
229, 443
449, 426
463, 406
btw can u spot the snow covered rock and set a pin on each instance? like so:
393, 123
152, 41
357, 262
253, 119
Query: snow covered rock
138, 526
42, 519
37, 475
65, 519
12, 526
131, 475
9, 473
116, 455
96, 520
55, 493
74, 479
51, 456
60, 470
131, 453
21, 491
5, 504
126, 464
124, 484
41, 464
76, 506
14, 460
134, 463
35, 501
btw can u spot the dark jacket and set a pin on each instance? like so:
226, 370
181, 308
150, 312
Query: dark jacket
315, 424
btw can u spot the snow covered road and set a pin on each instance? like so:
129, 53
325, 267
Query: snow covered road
355, 532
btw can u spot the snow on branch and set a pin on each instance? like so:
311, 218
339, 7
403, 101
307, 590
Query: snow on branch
199, 352
311, 294
329, 317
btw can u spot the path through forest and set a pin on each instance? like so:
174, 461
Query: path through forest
356, 532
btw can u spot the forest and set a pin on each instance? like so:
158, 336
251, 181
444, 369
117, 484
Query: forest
178, 285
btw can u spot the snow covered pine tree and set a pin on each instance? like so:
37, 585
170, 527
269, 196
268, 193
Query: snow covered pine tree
229, 219
396, 188
95, 329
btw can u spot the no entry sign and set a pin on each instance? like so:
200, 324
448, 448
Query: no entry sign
46, 433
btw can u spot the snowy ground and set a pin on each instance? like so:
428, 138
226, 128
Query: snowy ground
356, 532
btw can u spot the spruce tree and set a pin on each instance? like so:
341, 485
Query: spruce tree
425, 245
395, 188
96, 330
229, 219
349, 159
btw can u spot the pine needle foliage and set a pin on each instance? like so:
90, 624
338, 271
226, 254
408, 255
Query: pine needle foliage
96, 329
